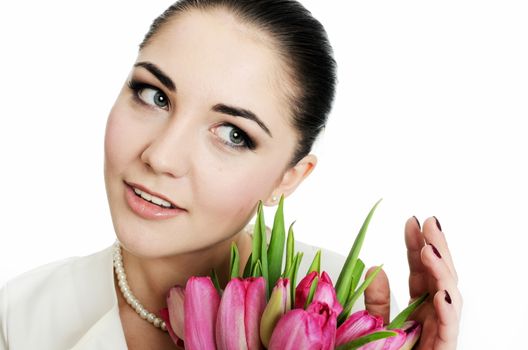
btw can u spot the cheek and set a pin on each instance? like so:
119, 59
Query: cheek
230, 196
121, 142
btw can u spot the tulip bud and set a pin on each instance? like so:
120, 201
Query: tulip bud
277, 306
310, 329
175, 305
239, 315
357, 325
325, 292
201, 307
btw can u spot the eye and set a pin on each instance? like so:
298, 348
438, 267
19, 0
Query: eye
234, 137
149, 95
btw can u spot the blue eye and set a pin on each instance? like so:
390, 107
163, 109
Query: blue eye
149, 94
234, 137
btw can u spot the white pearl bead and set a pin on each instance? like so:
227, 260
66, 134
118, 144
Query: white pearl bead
127, 293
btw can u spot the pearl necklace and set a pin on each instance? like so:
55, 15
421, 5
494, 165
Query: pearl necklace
127, 293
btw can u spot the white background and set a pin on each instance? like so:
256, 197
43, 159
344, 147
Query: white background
430, 114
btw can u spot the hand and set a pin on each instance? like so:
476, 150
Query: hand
431, 270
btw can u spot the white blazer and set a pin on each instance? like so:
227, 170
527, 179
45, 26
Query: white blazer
71, 304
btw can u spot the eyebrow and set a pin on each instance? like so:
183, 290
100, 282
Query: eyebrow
219, 107
158, 73
240, 112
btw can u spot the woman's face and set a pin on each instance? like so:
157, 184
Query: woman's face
203, 121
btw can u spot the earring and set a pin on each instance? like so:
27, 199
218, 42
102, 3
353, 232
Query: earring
274, 198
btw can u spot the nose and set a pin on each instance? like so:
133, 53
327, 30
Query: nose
169, 150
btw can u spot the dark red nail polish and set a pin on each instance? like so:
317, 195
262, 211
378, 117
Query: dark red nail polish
437, 253
418, 222
447, 297
438, 223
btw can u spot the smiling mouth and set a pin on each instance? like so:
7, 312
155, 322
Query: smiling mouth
153, 199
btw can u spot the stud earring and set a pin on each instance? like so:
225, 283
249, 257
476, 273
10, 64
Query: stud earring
274, 198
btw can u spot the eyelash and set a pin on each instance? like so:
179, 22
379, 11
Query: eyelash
136, 88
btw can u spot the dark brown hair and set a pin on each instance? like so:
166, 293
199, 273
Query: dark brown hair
302, 43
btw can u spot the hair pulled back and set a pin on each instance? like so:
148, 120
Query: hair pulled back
302, 43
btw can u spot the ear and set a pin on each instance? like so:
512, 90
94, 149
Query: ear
292, 178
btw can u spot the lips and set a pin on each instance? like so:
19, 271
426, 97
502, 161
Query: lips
159, 195
148, 210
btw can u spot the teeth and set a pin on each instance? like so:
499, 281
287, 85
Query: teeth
152, 199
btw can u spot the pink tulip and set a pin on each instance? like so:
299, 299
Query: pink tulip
201, 307
164, 315
278, 304
413, 330
391, 343
357, 325
324, 293
241, 308
310, 329
175, 304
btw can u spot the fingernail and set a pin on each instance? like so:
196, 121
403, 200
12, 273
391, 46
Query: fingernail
438, 223
437, 253
418, 222
447, 297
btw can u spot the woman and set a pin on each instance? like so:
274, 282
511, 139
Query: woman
220, 110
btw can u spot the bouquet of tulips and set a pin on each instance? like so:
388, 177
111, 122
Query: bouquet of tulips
265, 309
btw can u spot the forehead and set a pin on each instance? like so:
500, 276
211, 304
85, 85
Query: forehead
213, 57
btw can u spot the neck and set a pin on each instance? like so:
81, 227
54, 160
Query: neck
151, 279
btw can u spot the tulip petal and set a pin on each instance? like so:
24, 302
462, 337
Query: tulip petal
413, 330
175, 306
325, 293
357, 325
391, 343
254, 304
277, 306
201, 306
303, 289
164, 315
230, 332
293, 332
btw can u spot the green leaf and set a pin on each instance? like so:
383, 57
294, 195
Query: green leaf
399, 320
263, 246
356, 343
247, 267
356, 276
346, 311
290, 245
345, 277
293, 281
257, 270
276, 246
256, 247
214, 278
234, 262
316, 263
313, 287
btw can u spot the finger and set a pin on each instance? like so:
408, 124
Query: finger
377, 295
441, 277
448, 320
414, 241
433, 234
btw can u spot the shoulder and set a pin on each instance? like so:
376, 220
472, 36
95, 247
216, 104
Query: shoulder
33, 302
